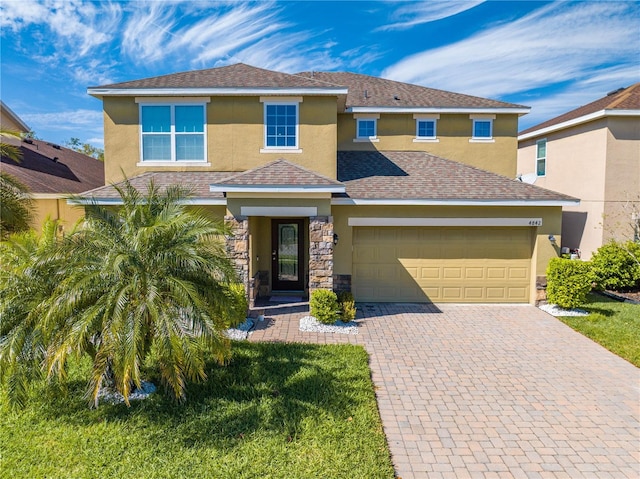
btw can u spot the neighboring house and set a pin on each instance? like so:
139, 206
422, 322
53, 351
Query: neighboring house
592, 152
338, 180
10, 121
52, 173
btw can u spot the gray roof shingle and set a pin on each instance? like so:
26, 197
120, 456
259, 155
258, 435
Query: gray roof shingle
52, 169
231, 76
408, 175
279, 173
365, 90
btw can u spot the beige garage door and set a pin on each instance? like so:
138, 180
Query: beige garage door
425, 264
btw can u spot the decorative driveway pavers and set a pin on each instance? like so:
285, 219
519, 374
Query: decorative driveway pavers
491, 391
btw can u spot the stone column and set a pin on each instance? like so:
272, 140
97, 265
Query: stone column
238, 247
320, 253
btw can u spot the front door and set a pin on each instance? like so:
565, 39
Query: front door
287, 254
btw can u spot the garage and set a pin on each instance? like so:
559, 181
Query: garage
442, 264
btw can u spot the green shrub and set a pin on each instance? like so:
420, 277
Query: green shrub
236, 311
324, 306
347, 306
568, 282
617, 266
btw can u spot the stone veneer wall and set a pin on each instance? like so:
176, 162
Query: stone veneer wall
320, 253
238, 247
342, 283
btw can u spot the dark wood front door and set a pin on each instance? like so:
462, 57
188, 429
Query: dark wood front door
287, 254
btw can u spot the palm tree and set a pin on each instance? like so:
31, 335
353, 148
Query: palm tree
15, 204
29, 275
150, 279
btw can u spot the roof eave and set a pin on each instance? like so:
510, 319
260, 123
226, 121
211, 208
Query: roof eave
578, 121
420, 109
102, 92
222, 188
88, 201
453, 202
15, 117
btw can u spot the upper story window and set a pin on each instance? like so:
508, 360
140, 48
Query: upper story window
541, 157
426, 128
367, 128
172, 132
482, 130
281, 124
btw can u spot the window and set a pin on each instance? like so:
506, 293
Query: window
541, 157
482, 129
425, 128
366, 128
172, 132
281, 125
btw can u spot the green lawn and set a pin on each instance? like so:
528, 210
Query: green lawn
278, 410
613, 324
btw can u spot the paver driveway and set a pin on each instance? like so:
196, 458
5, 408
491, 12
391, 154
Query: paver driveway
491, 391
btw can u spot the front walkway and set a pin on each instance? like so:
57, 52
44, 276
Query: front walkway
490, 391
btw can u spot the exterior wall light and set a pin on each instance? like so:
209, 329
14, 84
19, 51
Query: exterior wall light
552, 239
336, 238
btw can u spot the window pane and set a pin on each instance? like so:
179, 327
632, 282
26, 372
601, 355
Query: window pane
190, 147
542, 149
541, 167
366, 128
281, 125
156, 119
189, 119
482, 129
426, 128
156, 147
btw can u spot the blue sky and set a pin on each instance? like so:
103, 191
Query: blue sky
551, 56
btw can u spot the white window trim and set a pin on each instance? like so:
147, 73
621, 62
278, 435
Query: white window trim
295, 101
426, 139
366, 139
482, 139
172, 104
546, 145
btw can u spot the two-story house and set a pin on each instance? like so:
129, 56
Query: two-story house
592, 152
337, 180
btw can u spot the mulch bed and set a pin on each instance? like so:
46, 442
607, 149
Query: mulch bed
627, 296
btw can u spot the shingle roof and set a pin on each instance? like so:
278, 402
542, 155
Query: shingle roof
231, 76
50, 169
279, 173
622, 99
366, 175
365, 90
198, 181
410, 175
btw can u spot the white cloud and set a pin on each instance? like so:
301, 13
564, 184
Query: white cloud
70, 120
416, 13
555, 44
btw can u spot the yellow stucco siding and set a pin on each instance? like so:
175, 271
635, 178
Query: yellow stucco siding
56, 209
397, 132
235, 137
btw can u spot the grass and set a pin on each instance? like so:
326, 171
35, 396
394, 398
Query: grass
613, 324
277, 410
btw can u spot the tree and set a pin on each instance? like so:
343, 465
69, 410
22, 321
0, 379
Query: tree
29, 275
85, 148
15, 203
150, 280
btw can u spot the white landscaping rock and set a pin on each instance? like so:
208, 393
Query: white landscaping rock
241, 331
114, 397
555, 310
312, 325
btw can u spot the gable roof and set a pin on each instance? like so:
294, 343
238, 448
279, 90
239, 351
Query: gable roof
279, 175
370, 91
46, 168
238, 78
13, 118
407, 176
621, 102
